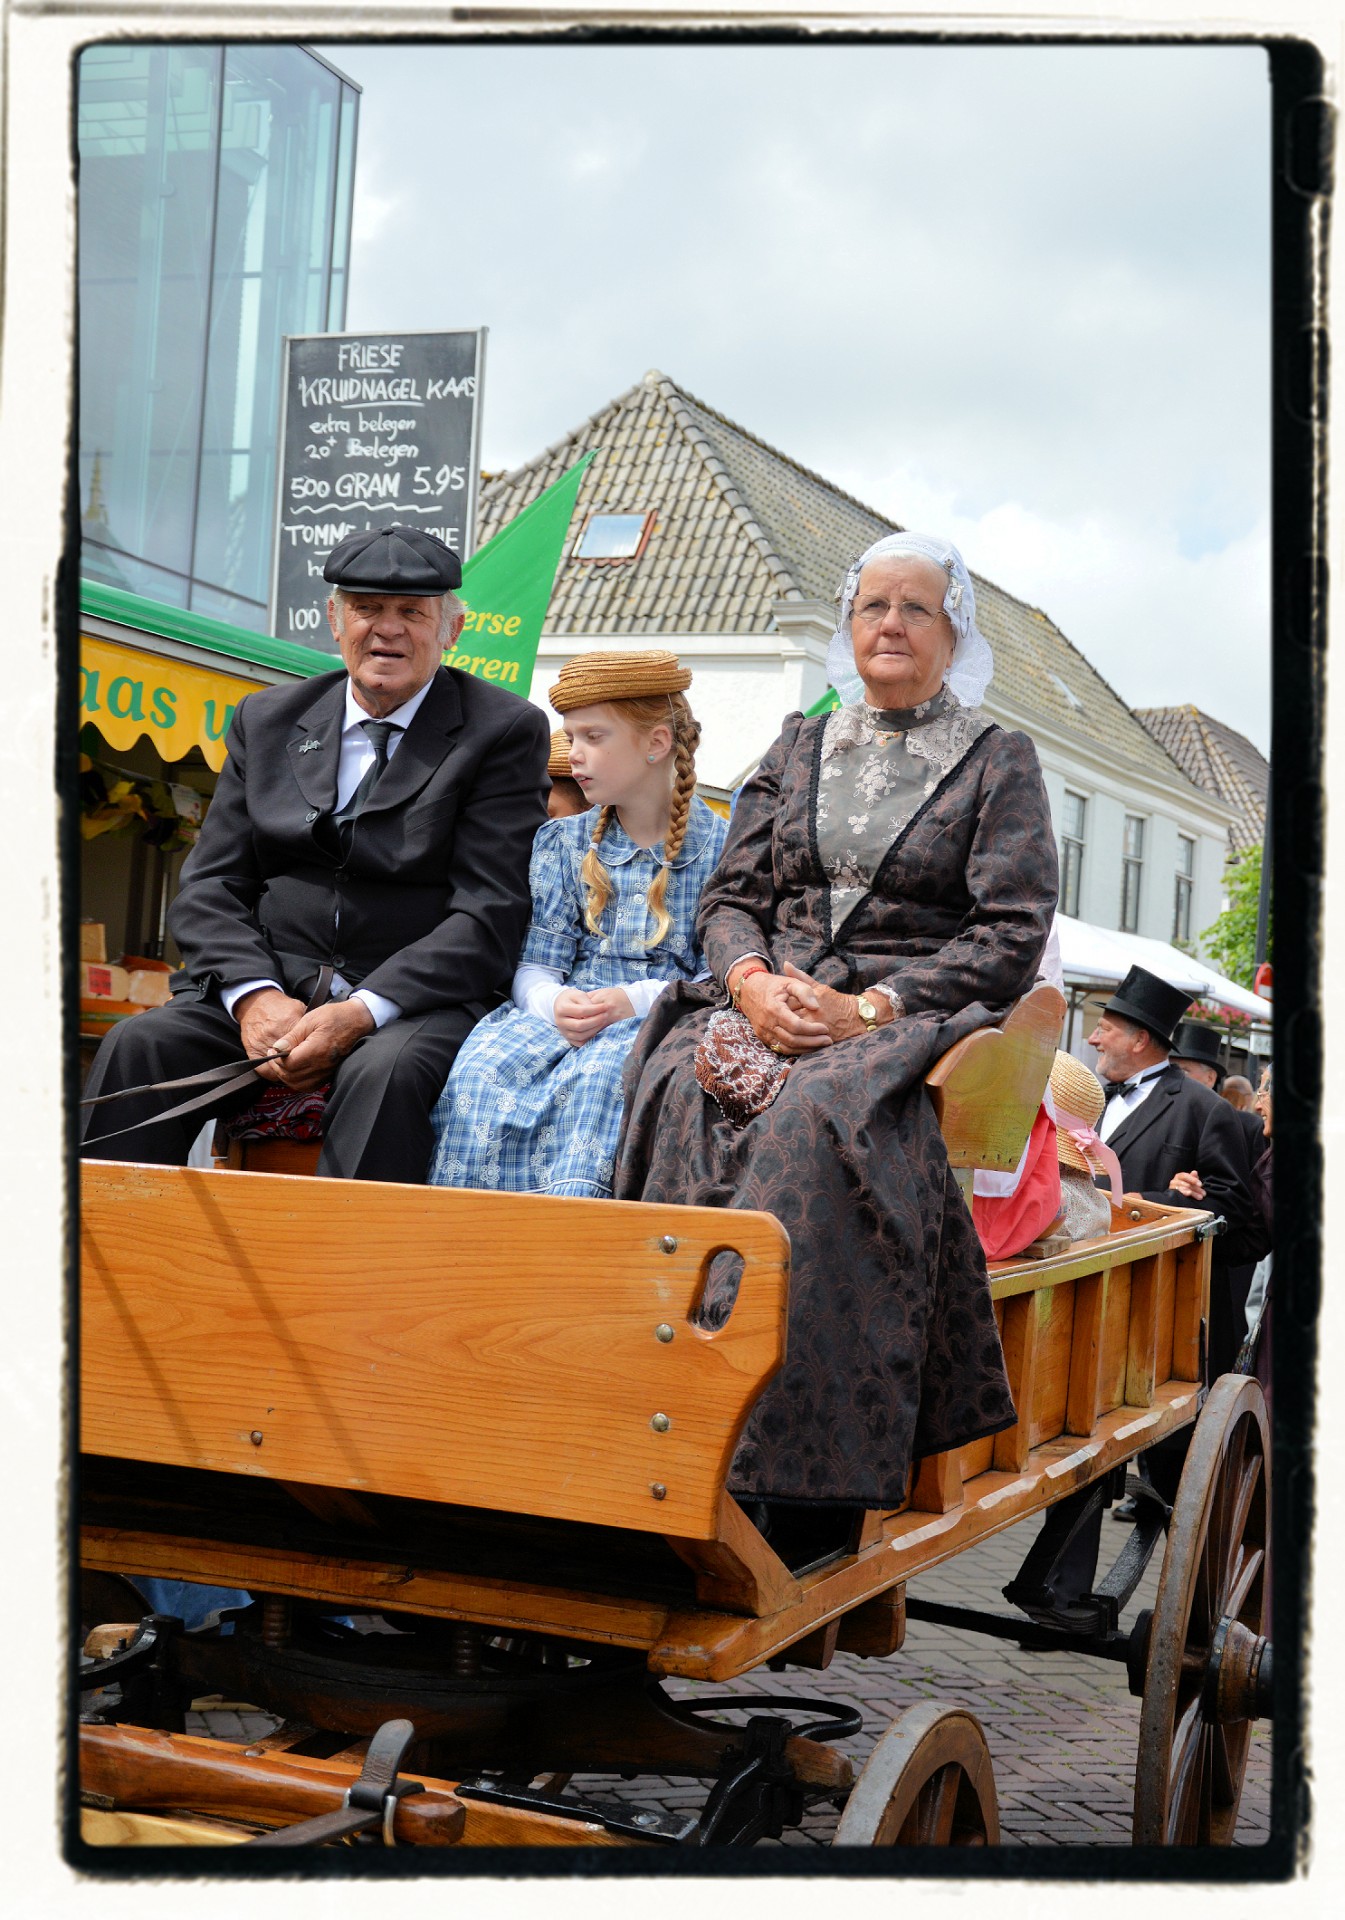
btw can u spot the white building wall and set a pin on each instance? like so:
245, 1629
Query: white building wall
741, 689
1167, 810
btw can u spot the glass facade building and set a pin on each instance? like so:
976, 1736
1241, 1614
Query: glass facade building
215, 187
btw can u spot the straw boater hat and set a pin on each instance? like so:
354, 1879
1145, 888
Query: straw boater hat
558, 766
1075, 1089
592, 678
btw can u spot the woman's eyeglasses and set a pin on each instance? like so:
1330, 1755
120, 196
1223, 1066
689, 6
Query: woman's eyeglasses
912, 614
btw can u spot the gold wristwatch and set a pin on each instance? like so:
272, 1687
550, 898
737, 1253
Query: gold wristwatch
867, 1012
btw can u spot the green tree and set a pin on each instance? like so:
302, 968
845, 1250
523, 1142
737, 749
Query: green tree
1230, 942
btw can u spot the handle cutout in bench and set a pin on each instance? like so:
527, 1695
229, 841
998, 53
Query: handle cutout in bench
479, 1349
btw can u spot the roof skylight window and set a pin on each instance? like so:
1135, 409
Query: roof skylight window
614, 536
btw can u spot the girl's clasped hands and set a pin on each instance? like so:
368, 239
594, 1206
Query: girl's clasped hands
580, 1015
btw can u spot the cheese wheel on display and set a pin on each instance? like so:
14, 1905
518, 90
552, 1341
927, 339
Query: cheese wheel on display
148, 987
103, 983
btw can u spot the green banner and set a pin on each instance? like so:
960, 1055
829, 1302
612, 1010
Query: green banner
507, 587
829, 701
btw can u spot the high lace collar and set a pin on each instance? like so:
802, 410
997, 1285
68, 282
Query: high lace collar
902, 719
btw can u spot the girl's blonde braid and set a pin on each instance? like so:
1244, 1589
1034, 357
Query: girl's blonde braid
597, 881
686, 738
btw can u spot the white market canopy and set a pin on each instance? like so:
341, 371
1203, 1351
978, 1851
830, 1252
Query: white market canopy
1099, 956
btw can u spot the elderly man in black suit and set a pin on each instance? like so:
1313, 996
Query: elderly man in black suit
1179, 1144
368, 840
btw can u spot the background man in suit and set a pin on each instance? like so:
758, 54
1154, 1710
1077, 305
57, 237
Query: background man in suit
376, 822
1195, 1048
1179, 1144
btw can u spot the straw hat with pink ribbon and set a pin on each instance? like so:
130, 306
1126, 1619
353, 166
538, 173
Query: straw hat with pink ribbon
1077, 1100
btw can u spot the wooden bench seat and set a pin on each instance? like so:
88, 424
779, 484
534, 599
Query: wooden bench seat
353, 1342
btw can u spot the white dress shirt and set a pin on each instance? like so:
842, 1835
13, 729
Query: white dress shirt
536, 990
1122, 1105
357, 756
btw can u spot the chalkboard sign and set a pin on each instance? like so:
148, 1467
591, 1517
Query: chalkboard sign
374, 427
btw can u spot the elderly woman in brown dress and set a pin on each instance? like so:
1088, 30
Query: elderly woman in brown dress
887, 886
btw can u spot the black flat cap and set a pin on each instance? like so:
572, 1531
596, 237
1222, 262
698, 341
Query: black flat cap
394, 559
1149, 1002
1195, 1041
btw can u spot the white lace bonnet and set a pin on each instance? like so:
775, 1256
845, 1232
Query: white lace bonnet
972, 665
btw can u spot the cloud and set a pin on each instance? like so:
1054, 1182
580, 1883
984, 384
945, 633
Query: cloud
1025, 287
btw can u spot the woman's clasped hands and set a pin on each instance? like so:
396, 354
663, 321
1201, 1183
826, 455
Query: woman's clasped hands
793, 1014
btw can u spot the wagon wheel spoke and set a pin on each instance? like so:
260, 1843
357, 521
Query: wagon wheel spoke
1230, 1472
1206, 1802
1248, 1573
936, 1809
1241, 1508
1188, 1747
1224, 1781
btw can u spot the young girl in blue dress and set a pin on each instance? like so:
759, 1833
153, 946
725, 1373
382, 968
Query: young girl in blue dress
533, 1103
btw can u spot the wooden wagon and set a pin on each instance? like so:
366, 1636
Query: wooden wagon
494, 1429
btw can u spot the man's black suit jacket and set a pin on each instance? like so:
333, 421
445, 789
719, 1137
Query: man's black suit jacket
429, 904
1253, 1131
1180, 1126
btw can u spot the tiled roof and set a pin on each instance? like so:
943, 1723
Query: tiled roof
1220, 761
740, 525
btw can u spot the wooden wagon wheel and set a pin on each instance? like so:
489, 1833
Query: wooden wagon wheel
1206, 1671
929, 1782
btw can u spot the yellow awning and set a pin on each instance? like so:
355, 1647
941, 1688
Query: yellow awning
127, 694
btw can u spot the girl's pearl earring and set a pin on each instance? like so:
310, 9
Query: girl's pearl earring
650, 758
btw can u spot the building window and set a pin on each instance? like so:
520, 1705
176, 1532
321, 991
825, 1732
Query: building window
1132, 866
1073, 819
1186, 868
614, 536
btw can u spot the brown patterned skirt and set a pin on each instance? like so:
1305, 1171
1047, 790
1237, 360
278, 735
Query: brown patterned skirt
893, 1350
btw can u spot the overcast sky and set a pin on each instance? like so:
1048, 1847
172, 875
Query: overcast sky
1016, 296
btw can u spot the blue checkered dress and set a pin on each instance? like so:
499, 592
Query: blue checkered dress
523, 1110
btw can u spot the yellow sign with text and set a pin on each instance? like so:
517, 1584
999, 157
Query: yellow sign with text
127, 694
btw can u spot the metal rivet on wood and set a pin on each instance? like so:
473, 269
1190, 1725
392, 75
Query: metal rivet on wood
668, 1243
255, 1437
663, 1332
660, 1423
657, 1488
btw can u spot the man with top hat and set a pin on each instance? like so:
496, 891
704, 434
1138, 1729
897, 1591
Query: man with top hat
358, 895
1196, 1049
1178, 1143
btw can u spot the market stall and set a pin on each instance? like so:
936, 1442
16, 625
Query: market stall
158, 687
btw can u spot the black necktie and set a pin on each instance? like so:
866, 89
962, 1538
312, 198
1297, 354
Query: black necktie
1114, 1087
380, 732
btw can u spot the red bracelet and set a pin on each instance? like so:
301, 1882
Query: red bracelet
743, 978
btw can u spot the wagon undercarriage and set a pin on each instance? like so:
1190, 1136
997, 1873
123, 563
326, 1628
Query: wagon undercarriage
500, 1722
470, 1455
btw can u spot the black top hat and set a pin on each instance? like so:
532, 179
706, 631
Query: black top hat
394, 559
1195, 1041
1150, 1003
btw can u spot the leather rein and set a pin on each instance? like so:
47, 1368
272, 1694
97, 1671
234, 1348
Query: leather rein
230, 1076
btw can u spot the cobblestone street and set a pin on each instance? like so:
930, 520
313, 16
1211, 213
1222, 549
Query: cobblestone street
1062, 1728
